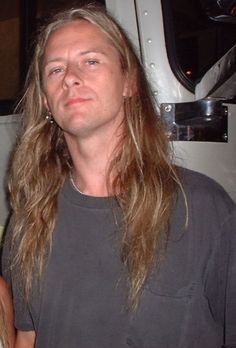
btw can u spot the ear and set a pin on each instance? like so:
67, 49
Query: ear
129, 86
45, 102
127, 91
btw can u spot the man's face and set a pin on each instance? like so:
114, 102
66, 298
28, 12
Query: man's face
84, 85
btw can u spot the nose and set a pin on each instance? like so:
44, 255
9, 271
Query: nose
72, 76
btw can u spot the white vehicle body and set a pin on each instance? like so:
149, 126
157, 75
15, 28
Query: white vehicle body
143, 21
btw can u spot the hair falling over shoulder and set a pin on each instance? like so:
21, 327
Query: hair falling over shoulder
148, 183
145, 181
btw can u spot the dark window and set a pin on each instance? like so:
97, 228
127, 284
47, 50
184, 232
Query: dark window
19, 20
194, 41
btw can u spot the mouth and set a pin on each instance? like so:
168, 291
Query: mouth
74, 101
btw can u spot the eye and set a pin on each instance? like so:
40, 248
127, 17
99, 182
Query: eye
55, 71
92, 62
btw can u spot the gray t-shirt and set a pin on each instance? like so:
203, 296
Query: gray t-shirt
189, 302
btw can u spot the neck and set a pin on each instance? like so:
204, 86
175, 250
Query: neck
90, 167
91, 186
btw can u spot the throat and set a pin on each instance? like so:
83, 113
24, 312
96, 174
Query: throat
95, 189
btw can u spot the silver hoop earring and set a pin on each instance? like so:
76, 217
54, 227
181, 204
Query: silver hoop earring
49, 117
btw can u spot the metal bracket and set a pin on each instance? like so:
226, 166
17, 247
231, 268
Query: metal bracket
201, 120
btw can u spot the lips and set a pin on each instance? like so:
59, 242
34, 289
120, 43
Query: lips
74, 101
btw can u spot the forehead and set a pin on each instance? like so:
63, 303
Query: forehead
77, 32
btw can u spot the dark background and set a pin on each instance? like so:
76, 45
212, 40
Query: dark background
19, 20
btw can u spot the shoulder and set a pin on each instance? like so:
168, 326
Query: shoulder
207, 200
198, 185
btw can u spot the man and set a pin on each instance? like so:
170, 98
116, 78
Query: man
113, 246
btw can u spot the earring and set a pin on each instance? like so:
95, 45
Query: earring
49, 116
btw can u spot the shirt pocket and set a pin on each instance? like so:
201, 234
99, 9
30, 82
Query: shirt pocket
162, 316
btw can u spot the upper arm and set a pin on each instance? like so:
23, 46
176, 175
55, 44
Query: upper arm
230, 312
25, 339
12, 274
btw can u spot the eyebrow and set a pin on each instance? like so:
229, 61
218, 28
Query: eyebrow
96, 50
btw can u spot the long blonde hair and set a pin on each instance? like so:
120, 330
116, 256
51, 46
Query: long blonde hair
145, 181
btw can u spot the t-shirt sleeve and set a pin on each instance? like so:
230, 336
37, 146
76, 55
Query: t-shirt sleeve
221, 285
23, 320
230, 303
218, 213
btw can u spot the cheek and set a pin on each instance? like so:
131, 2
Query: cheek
115, 85
121, 84
117, 92
51, 98
51, 87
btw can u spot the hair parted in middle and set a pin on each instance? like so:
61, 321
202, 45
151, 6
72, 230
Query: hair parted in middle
144, 179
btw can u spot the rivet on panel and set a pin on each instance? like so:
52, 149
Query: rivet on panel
149, 40
225, 137
168, 108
